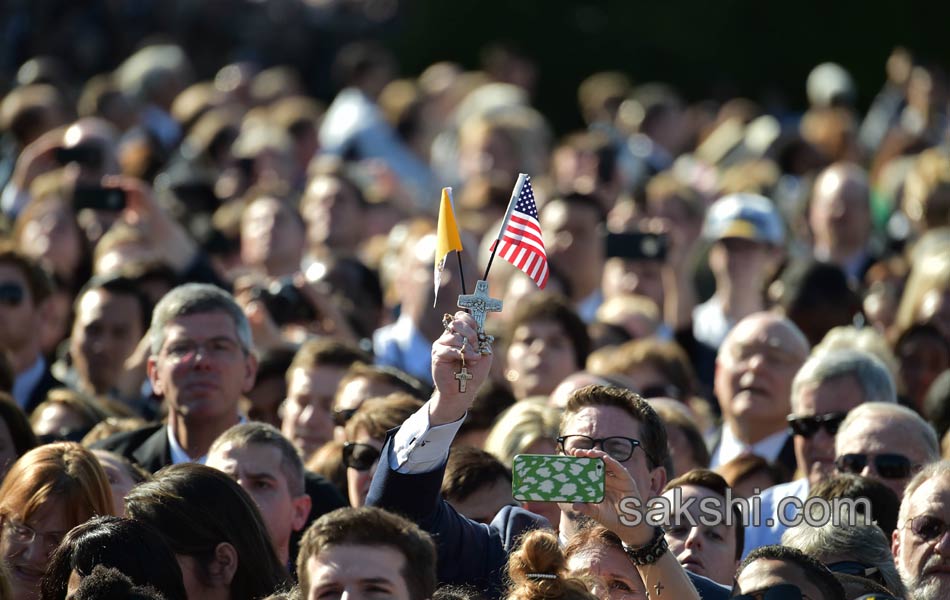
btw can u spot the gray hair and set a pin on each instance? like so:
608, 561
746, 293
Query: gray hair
934, 470
866, 339
922, 430
861, 542
265, 434
197, 298
869, 372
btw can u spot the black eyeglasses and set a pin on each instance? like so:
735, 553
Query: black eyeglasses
361, 457
888, 466
340, 417
11, 294
858, 569
927, 528
619, 448
782, 591
809, 426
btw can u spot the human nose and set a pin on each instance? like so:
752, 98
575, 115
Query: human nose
694, 540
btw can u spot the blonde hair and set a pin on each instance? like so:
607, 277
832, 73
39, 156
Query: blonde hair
928, 177
520, 426
65, 471
931, 272
538, 570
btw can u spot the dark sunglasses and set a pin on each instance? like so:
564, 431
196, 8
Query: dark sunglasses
11, 294
782, 591
927, 528
809, 426
361, 457
888, 466
858, 569
340, 417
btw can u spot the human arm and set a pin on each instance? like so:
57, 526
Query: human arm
664, 577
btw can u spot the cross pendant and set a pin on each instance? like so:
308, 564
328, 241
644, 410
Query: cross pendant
463, 376
659, 589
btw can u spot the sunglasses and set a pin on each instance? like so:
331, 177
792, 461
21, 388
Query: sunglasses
340, 417
888, 466
927, 528
361, 457
809, 426
858, 569
11, 294
782, 591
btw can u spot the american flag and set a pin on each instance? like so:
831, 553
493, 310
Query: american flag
520, 238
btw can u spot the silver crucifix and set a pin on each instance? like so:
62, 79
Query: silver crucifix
479, 305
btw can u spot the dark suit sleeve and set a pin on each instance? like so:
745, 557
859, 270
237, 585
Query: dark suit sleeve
707, 588
468, 552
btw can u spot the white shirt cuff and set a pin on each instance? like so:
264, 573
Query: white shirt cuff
417, 447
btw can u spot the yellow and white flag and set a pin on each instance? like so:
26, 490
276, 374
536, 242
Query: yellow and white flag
447, 238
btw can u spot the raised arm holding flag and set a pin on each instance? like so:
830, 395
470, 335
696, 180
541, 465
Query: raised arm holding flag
447, 239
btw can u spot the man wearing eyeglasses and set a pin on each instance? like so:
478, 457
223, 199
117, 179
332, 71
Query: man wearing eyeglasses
410, 474
885, 442
24, 288
825, 389
920, 543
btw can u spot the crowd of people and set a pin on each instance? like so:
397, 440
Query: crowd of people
226, 372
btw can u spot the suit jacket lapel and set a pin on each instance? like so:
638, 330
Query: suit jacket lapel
155, 452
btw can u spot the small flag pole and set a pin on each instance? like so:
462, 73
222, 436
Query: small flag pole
522, 177
458, 253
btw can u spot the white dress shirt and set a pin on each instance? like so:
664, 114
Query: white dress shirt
730, 447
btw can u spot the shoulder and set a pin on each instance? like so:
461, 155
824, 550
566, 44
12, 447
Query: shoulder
707, 588
129, 440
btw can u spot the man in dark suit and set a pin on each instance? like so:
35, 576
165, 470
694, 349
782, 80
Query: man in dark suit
24, 290
201, 362
754, 370
409, 476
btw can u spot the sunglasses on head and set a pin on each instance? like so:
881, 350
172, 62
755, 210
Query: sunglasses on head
809, 426
927, 528
782, 591
340, 417
858, 569
888, 466
361, 457
11, 294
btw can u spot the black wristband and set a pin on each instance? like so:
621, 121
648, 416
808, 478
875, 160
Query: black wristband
651, 552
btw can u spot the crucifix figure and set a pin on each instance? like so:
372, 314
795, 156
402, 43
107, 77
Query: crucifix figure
479, 305
463, 376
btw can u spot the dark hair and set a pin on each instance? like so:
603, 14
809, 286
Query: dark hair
37, 279
265, 434
396, 379
491, 400
715, 482
457, 592
326, 352
133, 547
197, 508
379, 415
687, 425
547, 306
374, 527
105, 583
885, 505
119, 285
21, 434
652, 430
937, 404
816, 572
469, 470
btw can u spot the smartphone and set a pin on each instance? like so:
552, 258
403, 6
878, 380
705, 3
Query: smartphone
84, 154
637, 245
285, 302
557, 478
99, 198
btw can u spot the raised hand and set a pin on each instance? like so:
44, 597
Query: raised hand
621, 496
459, 339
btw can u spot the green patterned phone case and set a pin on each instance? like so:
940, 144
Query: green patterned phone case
556, 478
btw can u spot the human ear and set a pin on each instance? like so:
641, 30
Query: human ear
301, 509
223, 565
